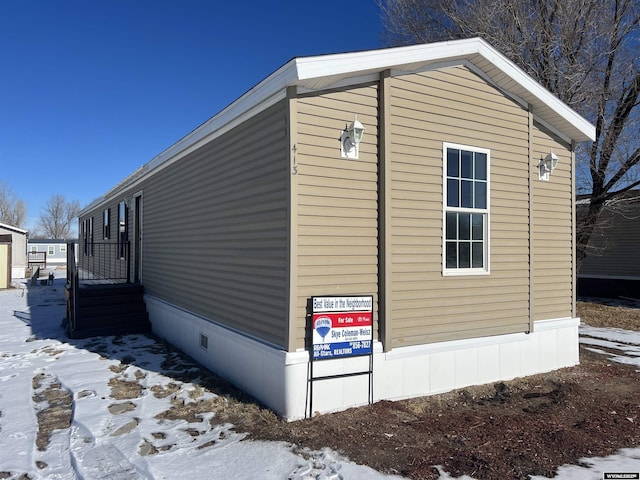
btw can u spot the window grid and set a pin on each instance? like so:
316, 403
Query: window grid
466, 210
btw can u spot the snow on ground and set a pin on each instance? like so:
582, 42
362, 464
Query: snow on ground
619, 345
120, 439
124, 439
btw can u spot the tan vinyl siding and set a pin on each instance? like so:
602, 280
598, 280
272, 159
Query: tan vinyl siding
552, 230
337, 203
215, 229
456, 106
218, 220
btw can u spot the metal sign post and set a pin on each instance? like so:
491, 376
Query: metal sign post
340, 327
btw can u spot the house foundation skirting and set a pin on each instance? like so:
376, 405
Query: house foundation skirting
18, 272
279, 379
608, 286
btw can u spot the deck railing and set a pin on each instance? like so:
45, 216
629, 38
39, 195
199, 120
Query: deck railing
94, 263
104, 262
37, 258
72, 286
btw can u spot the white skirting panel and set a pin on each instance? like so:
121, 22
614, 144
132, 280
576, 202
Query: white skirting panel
18, 272
279, 379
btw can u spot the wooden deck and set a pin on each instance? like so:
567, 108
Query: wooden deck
106, 308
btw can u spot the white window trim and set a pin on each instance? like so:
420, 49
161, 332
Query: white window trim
457, 272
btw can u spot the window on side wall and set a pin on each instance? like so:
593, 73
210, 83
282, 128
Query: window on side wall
51, 250
85, 239
122, 230
90, 234
466, 210
106, 223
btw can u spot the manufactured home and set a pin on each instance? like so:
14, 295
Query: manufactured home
13, 253
50, 251
611, 267
361, 226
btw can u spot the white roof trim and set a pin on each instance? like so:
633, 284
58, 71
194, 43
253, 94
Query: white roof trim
417, 57
11, 227
329, 71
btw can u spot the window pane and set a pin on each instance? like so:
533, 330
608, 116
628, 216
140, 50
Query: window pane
452, 193
477, 255
466, 164
466, 216
467, 194
481, 166
452, 255
464, 227
452, 226
477, 230
480, 195
464, 256
452, 162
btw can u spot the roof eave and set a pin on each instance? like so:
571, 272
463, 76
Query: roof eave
416, 57
323, 70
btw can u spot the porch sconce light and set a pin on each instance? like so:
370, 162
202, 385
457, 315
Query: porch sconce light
546, 166
350, 139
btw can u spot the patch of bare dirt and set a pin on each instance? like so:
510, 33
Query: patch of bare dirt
528, 426
53, 407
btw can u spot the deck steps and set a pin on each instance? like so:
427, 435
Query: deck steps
109, 309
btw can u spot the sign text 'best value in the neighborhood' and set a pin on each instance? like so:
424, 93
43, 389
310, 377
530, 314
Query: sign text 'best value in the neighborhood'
342, 326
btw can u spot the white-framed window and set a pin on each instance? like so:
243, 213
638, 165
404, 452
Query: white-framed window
63, 248
51, 250
34, 248
465, 210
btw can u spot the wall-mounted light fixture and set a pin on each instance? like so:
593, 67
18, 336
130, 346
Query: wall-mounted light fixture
547, 165
350, 139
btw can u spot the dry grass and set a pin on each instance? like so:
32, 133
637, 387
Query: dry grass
56, 407
407, 420
600, 315
124, 389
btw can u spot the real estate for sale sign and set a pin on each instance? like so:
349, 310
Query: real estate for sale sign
342, 326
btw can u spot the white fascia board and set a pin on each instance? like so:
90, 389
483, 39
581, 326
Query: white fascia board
415, 57
275, 83
537, 91
313, 73
261, 96
400, 58
11, 227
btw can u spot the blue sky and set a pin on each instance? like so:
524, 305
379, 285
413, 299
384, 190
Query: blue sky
91, 90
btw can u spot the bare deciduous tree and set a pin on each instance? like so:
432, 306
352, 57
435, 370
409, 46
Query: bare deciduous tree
57, 217
583, 51
12, 209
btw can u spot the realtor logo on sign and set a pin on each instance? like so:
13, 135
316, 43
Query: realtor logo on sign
342, 326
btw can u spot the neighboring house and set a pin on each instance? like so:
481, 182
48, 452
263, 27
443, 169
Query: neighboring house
13, 253
612, 265
55, 249
448, 213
